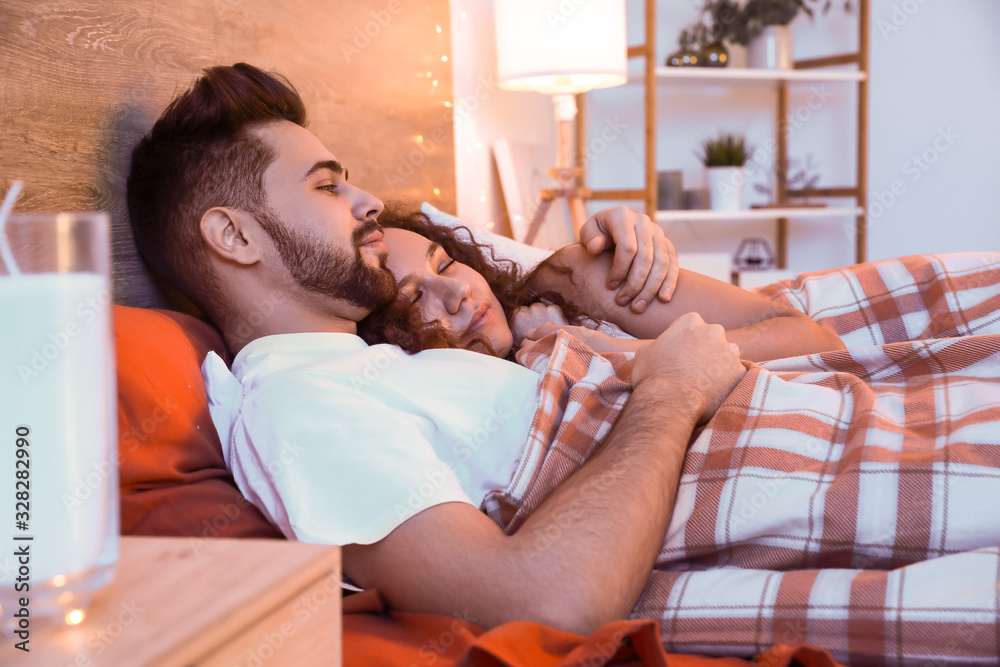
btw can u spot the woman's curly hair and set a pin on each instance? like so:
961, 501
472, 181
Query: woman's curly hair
400, 323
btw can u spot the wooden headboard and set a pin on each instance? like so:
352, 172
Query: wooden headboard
81, 82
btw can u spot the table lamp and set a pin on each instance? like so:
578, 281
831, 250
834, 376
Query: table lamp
561, 48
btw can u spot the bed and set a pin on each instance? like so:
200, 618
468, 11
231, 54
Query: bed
174, 482
715, 591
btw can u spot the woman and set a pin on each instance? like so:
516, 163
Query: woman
453, 294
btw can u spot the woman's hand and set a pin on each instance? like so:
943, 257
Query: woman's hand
595, 340
527, 318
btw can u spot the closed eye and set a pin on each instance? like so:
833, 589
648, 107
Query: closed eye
441, 258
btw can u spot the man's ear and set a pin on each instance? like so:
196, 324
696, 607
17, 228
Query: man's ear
227, 233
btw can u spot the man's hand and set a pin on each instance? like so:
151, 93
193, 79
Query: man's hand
645, 263
696, 356
530, 317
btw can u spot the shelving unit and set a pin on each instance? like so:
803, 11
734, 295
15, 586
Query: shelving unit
707, 74
804, 212
812, 70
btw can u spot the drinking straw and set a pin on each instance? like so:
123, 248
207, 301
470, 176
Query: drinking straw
8, 205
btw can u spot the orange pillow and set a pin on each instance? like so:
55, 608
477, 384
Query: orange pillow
173, 476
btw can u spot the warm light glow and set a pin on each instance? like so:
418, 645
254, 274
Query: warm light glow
444, 59
448, 104
479, 147
419, 138
59, 581
437, 192
74, 617
429, 75
517, 218
489, 225
437, 29
434, 83
575, 47
483, 198
464, 16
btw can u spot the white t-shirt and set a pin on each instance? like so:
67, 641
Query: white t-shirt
338, 442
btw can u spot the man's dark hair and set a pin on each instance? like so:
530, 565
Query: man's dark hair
200, 154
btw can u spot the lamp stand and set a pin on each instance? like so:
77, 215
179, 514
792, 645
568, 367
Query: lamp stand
564, 172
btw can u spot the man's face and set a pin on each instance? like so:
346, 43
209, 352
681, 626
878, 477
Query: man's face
323, 228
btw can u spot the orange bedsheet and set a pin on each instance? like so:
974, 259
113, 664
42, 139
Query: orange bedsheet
374, 635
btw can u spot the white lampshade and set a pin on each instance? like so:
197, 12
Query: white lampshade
560, 46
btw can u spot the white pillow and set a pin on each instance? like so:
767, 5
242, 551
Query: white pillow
528, 257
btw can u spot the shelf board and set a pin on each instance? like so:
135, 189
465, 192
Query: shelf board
759, 214
738, 74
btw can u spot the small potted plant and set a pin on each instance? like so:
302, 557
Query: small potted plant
760, 25
724, 158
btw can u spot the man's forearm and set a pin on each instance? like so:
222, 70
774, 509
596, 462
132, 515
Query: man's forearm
588, 550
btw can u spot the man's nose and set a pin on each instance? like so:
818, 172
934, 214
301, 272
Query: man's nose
366, 205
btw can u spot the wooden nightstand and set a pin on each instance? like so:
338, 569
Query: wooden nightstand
205, 602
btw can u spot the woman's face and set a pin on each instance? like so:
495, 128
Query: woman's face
446, 291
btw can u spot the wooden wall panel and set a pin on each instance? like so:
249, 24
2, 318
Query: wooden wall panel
80, 82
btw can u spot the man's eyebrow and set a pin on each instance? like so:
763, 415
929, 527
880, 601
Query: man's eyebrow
332, 165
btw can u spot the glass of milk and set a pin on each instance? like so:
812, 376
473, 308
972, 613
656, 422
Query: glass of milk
58, 438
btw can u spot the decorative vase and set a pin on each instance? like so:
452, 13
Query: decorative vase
714, 55
725, 186
772, 49
683, 58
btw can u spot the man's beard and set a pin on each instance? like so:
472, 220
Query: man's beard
329, 270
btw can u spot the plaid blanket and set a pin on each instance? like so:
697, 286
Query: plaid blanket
843, 500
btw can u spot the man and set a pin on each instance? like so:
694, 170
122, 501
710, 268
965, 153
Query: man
232, 201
